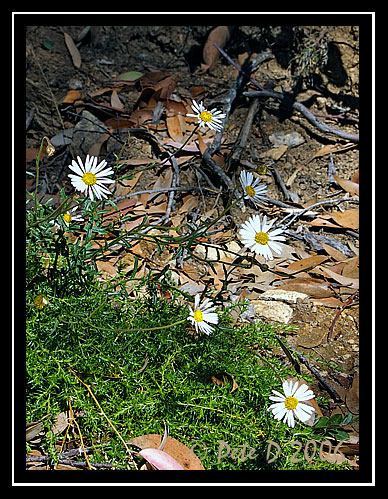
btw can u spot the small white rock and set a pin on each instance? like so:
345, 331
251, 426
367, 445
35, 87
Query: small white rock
274, 311
292, 139
283, 295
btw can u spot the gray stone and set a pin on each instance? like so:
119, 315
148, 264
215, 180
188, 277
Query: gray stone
273, 311
292, 139
283, 295
87, 132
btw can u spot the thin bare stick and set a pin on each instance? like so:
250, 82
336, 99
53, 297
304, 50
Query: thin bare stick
106, 417
315, 205
323, 127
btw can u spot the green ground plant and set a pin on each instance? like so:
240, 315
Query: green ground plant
125, 365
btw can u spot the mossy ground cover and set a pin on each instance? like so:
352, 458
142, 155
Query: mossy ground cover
143, 372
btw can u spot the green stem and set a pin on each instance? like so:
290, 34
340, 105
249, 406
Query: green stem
37, 174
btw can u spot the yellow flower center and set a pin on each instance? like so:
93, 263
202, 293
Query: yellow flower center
206, 116
262, 238
40, 302
291, 403
67, 218
198, 315
89, 178
250, 191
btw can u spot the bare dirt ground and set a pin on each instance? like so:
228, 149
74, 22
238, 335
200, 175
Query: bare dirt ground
317, 66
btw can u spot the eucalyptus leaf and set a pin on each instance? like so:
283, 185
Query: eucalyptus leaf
48, 44
130, 75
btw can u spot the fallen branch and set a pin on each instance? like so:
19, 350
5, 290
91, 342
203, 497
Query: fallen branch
323, 127
242, 78
319, 377
320, 125
315, 205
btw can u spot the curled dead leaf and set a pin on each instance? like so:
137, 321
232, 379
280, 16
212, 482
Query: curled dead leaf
315, 288
306, 263
219, 35
222, 378
175, 127
115, 101
71, 96
74, 52
347, 218
347, 185
160, 459
178, 451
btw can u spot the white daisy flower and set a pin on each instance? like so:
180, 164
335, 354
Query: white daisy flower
255, 235
291, 403
251, 188
90, 179
71, 216
212, 119
202, 314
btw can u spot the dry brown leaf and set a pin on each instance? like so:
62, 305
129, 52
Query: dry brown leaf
323, 221
276, 152
61, 422
136, 161
330, 302
332, 148
74, 52
352, 396
356, 177
106, 268
217, 276
351, 268
128, 226
115, 101
315, 288
191, 272
180, 452
175, 107
201, 144
347, 185
96, 148
125, 186
196, 90
189, 202
141, 116
305, 263
100, 91
190, 147
174, 128
334, 253
33, 429
166, 87
162, 182
351, 282
222, 378
219, 35
118, 123
32, 153
71, 96
347, 218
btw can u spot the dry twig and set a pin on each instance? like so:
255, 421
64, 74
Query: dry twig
320, 125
